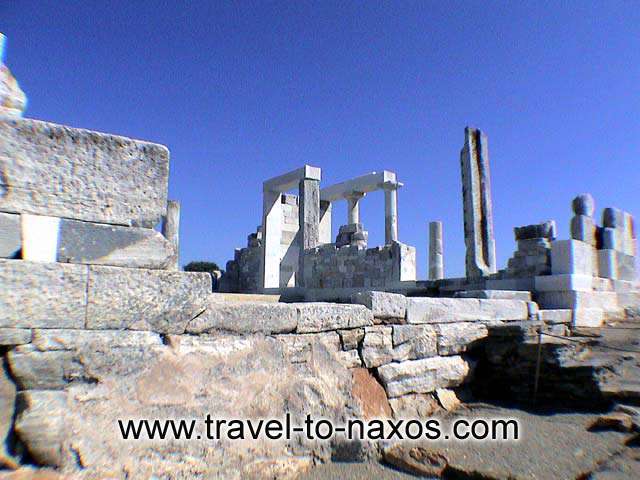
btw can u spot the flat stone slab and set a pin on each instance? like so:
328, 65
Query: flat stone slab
245, 318
554, 316
552, 283
319, 317
67, 339
445, 310
454, 338
59, 171
139, 299
42, 295
14, 336
423, 376
10, 243
495, 294
100, 244
383, 305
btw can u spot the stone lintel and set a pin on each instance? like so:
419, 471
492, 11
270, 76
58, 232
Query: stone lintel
290, 180
363, 184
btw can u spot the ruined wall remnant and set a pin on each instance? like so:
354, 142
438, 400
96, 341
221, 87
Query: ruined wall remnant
478, 211
355, 267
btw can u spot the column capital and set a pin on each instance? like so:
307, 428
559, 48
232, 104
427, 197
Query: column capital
391, 185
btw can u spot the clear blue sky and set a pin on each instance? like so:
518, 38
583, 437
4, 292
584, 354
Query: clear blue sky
242, 91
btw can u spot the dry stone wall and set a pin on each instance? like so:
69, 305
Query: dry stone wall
86, 345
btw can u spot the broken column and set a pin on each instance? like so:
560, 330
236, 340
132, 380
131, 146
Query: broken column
478, 215
390, 212
171, 229
309, 220
13, 101
436, 251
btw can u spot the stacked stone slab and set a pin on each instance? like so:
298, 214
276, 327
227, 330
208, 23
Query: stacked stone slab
352, 266
585, 273
533, 255
418, 345
76, 196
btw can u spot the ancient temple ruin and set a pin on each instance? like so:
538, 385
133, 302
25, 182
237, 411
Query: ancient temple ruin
98, 323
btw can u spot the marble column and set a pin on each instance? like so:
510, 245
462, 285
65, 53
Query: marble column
309, 221
390, 213
436, 251
478, 211
353, 207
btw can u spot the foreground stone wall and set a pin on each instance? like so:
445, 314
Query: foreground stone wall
84, 346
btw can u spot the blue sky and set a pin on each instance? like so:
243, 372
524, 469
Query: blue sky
242, 91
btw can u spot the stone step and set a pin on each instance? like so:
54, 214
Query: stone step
495, 294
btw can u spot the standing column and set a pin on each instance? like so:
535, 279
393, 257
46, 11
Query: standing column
390, 213
353, 207
436, 251
309, 221
271, 235
478, 212
171, 229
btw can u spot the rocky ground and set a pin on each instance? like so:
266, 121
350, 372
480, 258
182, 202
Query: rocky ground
552, 446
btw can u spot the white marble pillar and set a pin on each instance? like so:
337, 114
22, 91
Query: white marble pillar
353, 207
390, 213
436, 251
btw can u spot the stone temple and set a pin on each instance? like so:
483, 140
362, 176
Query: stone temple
97, 322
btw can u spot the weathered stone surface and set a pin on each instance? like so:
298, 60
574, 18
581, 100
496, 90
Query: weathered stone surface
48, 295
7, 404
412, 342
423, 376
228, 376
414, 405
588, 317
448, 399
319, 317
67, 172
40, 425
478, 210
539, 230
552, 283
351, 338
383, 305
14, 336
370, 395
571, 257
245, 318
10, 243
139, 299
377, 346
456, 337
555, 316
60, 340
171, 231
44, 370
100, 244
495, 294
416, 460
300, 349
444, 310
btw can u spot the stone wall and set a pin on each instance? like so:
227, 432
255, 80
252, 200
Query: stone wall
354, 267
75, 196
86, 345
